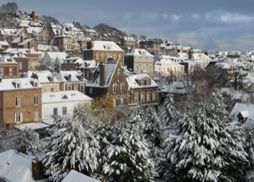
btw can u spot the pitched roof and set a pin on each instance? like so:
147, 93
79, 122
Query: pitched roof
247, 109
17, 83
64, 96
77, 176
105, 46
15, 167
140, 52
59, 55
132, 81
94, 80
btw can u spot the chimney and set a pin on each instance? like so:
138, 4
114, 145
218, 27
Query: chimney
33, 15
89, 45
37, 169
102, 74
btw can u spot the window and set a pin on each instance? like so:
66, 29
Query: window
10, 71
143, 98
64, 111
154, 98
122, 87
18, 102
55, 111
20, 66
36, 100
36, 116
18, 117
148, 97
114, 88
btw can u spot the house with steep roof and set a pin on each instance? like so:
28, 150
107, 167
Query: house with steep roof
143, 90
50, 57
101, 51
139, 61
20, 101
108, 82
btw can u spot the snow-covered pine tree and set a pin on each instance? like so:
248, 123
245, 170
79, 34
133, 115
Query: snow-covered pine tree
200, 149
126, 155
29, 142
71, 147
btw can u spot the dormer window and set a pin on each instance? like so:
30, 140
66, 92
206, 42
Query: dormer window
65, 97
50, 78
16, 84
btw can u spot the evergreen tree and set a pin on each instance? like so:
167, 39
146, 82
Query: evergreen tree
126, 155
71, 147
204, 148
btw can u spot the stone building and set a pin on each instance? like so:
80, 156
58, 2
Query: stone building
139, 61
20, 101
101, 51
108, 82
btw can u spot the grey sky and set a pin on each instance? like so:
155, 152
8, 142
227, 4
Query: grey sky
217, 24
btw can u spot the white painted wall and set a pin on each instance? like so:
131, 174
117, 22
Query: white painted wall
47, 108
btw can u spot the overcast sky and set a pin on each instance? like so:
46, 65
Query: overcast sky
207, 24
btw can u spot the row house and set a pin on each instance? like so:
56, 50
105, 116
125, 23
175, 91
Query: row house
139, 61
8, 67
101, 51
9, 34
142, 90
108, 82
62, 103
20, 101
59, 81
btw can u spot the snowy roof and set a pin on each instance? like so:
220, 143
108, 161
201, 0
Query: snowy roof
34, 30
8, 31
105, 46
64, 96
77, 176
15, 167
25, 41
88, 64
74, 60
132, 81
95, 77
4, 43
201, 56
17, 83
7, 59
174, 88
245, 109
140, 52
63, 76
59, 55
32, 126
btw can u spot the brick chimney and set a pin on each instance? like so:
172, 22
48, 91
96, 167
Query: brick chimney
89, 45
102, 74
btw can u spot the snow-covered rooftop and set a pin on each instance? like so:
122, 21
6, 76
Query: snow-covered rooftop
133, 81
17, 83
140, 52
15, 167
74, 176
64, 96
32, 126
246, 109
55, 55
105, 46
